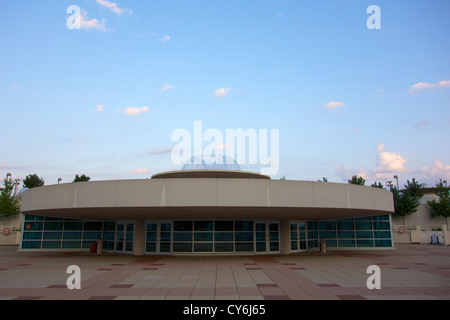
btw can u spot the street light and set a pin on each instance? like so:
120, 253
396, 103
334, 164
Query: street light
396, 177
389, 184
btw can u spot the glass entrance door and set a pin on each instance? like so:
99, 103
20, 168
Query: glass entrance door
158, 238
298, 236
125, 237
267, 237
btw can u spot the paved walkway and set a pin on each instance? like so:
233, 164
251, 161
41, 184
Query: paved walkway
410, 272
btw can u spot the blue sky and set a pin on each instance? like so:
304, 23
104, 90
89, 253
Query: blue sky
346, 99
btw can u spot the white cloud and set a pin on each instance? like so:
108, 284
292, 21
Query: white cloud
222, 92
113, 7
142, 171
132, 111
99, 108
86, 24
388, 163
436, 172
333, 105
165, 38
160, 151
424, 85
167, 87
14, 86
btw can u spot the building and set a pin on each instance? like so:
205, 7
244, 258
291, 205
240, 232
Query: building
206, 212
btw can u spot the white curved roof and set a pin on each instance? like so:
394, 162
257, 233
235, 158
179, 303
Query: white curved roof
207, 198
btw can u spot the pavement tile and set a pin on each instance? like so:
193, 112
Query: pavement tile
410, 272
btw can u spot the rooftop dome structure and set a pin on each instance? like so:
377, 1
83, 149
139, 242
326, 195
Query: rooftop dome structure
211, 162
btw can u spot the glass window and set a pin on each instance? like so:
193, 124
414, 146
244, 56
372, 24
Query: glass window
244, 246
151, 236
383, 243
32, 235
346, 234
328, 234
347, 243
109, 226
312, 225
274, 246
52, 235
150, 247
164, 247
31, 244
93, 226
203, 247
364, 234
72, 236
381, 218
165, 236
51, 245
364, 243
244, 236
224, 236
53, 226
165, 227
203, 226
385, 225
33, 226
33, 218
223, 226
92, 235
203, 236
182, 247
362, 225
73, 226
345, 225
327, 225
71, 245
224, 247
182, 226
382, 234
244, 225
182, 236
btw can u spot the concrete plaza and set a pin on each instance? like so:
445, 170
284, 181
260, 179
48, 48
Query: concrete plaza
408, 272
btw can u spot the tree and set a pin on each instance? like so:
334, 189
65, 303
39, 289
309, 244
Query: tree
9, 205
406, 202
441, 208
81, 178
379, 185
33, 181
357, 180
324, 180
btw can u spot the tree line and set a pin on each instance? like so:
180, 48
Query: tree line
9, 203
407, 201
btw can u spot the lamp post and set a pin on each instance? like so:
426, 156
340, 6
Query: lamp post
396, 177
389, 183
